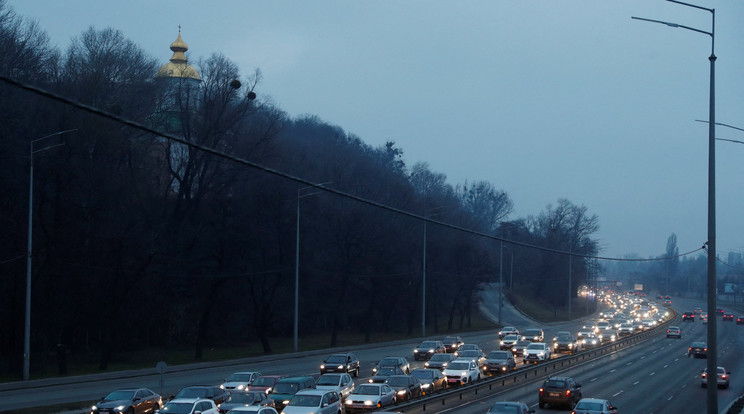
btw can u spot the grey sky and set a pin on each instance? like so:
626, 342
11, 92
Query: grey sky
546, 99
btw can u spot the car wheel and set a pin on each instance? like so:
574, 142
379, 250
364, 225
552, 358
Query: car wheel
478, 377
541, 404
356, 373
130, 410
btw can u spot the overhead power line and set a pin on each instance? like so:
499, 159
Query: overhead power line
300, 180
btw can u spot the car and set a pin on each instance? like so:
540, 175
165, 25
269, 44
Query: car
393, 361
720, 311
383, 374
467, 347
189, 406
461, 372
559, 392
508, 341
427, 349
536, 352
667, 302
252, 409
451, 343
688, 317
216, 394
341, 383
584, 331
594, 406
648, 324
344, 362
534, 335
265, 383
430, 379
510, 407
566, 342
590, 341
705, 319
128, 400
439, 361
698, 310
474, 355
625, 330
722, 380
498, 362
406, 386
368, 397
728, 317
508, 330
242, 399
698, 350
674, 332
519, 347
287, 387
240, 381
603, 325
314, 402
740, 320
607, 336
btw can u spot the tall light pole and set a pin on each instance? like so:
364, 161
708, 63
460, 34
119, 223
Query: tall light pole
423, 270
297, 265
712, 361
29, 253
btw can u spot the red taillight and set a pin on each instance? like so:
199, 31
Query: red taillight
704, 375
541, 391
568, 393
723, 377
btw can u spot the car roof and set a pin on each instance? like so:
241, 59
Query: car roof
594, 400
313, 392
188, 400
295, 379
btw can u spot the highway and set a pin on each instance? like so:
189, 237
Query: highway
653, 377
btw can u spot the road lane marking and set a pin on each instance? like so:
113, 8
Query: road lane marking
666, 365
617, 393
636, 383
593, 379
613, 370
651, 374
629, 363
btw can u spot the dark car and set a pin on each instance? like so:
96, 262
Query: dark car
286, 388
451, 343
216, 394
534, 335
698, 350
728, 317
688, 317
383, 373
265, 383
559, 391
406, 386
519, 347
566, 343
720, 311
439, 361
128, 400
499, 362
430, 379
242, 399
393, 361
427, 349
740, 320
345, 363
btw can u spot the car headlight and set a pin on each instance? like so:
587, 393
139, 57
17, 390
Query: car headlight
322, 366
444, 364
285, 402
368, 402
347, 402
119, 408
241, 387
268, 390
431, 351
464, 374
340, 367
415, 350
401, 392
425, 385
93, 408
222, 386
370, 381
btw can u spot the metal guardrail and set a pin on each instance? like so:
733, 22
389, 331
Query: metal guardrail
540, 370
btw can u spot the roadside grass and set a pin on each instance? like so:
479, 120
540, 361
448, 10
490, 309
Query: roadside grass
545, 312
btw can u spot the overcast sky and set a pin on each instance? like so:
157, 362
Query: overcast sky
545, 99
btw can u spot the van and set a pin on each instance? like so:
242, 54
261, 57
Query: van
286, 388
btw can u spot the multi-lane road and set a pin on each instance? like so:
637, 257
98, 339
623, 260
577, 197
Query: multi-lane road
653, 377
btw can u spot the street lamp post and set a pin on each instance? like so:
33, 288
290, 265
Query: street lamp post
29, 253
297, 265
712, 362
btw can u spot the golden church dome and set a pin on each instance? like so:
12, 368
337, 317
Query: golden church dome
178, 67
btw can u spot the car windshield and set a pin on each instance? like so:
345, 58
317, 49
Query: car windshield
388, 371
532, 332
239, 378
458, 365
468, 353
328, 380
305, 401
441, 357
591, 406
450, 340
119, 395
264, 382
367, 390
523, 343
240, 397
428, 344
177, 408
498, 355
423, 374
504, 409
555, 384
285, 388
535, 346
564, 338
389, 361
336, 359
511, 337
192, 393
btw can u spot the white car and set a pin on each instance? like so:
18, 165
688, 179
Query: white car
189, 406
461, 372
723, 377
239, 381
341, 383
594, 406
536, 352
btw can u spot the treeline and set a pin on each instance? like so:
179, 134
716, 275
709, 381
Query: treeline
139, 241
